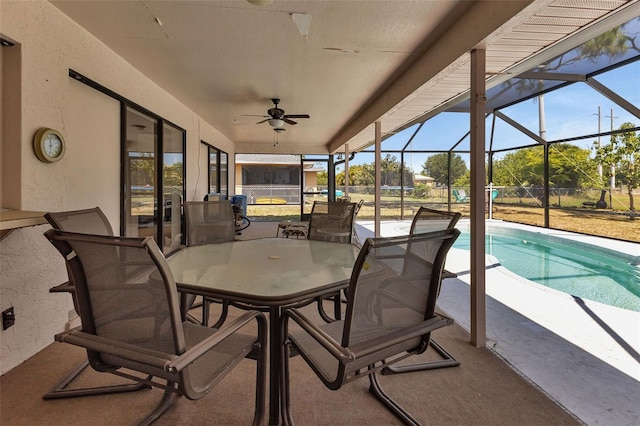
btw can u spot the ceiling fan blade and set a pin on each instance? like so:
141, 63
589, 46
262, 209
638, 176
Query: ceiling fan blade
287, 120
263, 121
297, 116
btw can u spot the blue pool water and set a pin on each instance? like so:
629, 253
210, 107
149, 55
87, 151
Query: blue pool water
575, 268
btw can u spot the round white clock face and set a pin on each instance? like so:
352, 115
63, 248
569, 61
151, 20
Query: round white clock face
52, 145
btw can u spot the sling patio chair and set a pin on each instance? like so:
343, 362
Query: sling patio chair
90, 221
430, 220
332, 222
209, 222
132, 325
390, 316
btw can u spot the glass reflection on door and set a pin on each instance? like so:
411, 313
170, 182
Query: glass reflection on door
140, 175
172, 187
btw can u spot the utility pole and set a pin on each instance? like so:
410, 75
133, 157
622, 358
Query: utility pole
599, 131
612, 181
543, 136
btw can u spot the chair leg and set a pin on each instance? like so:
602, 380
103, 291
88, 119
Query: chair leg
447, 361
261, 379
168, 399
393, 406
285, 402
223, 314
337, 307
59, 390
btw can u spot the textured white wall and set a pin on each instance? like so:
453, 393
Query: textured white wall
88, 175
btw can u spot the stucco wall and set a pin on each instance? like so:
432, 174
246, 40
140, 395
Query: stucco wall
89, 174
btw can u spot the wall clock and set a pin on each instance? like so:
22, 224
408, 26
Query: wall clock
49, 145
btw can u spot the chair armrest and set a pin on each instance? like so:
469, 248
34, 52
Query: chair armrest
113, 347
170, 363
66, 287
195, 352
339, 352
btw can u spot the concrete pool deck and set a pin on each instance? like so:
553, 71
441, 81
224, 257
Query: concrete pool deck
583, 354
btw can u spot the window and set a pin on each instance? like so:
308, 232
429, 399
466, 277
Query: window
218, 171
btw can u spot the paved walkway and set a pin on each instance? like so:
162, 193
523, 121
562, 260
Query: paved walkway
583, 354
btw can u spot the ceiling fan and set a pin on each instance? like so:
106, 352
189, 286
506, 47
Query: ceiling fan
277, 117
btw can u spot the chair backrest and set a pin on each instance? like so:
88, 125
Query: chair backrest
429, 220
209, 222
394, 286
331, 221
126, 293
87, 221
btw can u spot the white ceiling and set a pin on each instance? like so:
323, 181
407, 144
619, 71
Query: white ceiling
362, 61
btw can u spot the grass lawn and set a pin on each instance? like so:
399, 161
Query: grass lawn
603, 223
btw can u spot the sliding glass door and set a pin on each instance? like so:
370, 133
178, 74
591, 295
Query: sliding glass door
153, 176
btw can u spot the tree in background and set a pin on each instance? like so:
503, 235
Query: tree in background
364, 174
524, 167
437, 166
359, 175
624, 154
173, 175
569, 167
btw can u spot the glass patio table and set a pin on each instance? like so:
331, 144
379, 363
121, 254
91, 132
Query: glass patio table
266, 274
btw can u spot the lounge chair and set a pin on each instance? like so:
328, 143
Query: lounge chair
459, 195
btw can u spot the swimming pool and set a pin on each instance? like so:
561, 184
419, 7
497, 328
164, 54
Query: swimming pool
582, 270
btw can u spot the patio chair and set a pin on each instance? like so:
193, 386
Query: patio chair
131, 322
331, 221
91, 221
390, 316
429, 220
209, 222
85, 221
460, 195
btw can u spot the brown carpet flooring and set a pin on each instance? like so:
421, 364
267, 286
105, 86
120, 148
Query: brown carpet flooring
483, 390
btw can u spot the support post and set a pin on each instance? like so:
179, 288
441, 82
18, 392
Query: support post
477, 127
378, 177
346, 169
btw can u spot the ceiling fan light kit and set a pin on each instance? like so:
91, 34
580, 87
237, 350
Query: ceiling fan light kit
276, 123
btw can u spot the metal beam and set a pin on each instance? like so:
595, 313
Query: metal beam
604, 90
519, 127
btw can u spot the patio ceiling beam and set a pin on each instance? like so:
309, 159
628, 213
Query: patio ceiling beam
553, 76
